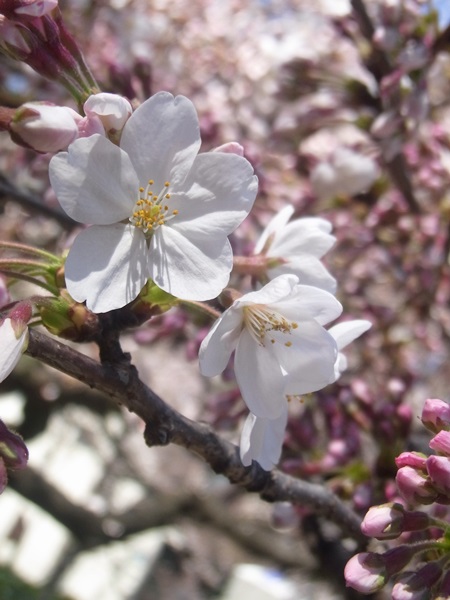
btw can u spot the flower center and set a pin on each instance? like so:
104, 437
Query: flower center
151, 210
263, 323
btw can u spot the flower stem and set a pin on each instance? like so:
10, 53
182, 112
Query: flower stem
201, 307
17, 275
52, 258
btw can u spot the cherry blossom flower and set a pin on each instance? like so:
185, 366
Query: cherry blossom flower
13, 343
262, 439
157, 210
297, 247
282, 348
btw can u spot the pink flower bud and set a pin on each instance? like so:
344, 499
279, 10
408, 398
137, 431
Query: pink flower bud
416, 586
383, 522
438, 468
13, 452
436, 415
416, 460
441, 443
112, 110
414, 487
365, 572
20, 315
44, 127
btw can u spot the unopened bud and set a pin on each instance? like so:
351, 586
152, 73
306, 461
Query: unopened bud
416, 586
384, 522
416, 460
13, 451
441, 443
438, 468
436, 415
365, 572
44, 127
112, 110
415, 488
68, 319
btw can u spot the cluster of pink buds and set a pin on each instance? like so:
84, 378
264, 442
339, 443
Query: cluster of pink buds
33, 31
419, 565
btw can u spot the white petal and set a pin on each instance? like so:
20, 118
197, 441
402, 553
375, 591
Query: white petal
308, 302
259, 377
344, 333
309, 270
94, 181
276, 290
11, 348
189, 271
216, 348
276, 224
300, 237
309, 359
217, 195
262, 440
340, 365
162, 137
107, 266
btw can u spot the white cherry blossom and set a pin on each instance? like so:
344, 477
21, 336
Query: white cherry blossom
13, 343
281, 347
157, 209
262, 439
297, 247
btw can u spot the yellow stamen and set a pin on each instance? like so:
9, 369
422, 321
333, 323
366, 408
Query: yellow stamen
260, 320
149, 213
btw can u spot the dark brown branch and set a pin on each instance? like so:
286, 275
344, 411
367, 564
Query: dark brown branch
165, 425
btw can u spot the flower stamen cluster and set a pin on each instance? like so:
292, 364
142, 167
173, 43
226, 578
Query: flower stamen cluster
149, 212
260, 321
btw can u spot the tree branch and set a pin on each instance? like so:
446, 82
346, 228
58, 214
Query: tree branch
164, 425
